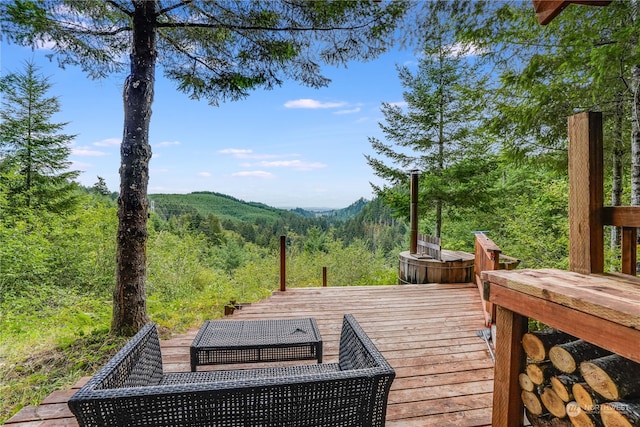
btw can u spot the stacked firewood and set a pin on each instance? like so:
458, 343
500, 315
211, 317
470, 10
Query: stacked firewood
570, 382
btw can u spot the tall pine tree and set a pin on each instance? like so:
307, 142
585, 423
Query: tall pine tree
434, 131
35, 154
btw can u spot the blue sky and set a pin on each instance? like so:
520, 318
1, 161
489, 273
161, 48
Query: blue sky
289, 147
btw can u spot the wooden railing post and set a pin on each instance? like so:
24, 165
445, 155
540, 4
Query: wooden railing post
283, 264
629, 250
586, 193
324, 277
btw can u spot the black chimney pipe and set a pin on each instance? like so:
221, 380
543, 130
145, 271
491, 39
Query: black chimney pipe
415, 173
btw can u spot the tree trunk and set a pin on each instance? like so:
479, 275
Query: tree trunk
438, 230
635, 120
129, 300
635, 137
617, 169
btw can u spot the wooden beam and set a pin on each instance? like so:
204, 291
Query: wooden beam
617, 337
586, 193
621, 216
546, 10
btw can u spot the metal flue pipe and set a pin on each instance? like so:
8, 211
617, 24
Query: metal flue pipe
415, 173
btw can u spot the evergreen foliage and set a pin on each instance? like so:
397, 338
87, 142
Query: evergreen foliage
435, 132
33, 151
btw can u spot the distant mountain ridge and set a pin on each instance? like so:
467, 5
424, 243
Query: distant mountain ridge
231, 208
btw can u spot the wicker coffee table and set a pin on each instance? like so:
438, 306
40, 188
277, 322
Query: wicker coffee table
250, 341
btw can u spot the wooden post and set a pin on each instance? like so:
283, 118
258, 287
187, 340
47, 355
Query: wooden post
324, 277
586, 188
508, 409
629, 250
283, 264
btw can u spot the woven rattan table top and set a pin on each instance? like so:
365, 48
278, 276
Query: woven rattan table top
246, 341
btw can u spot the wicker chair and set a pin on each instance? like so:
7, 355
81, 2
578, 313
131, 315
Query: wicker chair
132, 390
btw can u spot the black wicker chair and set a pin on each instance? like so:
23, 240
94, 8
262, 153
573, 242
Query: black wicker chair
131, 390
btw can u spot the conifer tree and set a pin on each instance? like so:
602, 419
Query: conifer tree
434, 130
34, 152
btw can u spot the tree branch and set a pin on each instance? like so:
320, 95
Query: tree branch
120, 8
218, 24
252, 28
175, 6
85, 31
194, 58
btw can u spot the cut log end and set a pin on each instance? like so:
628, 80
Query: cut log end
620, 414
567, 356
562, 384
578, 417
553, 403
585, 396
562, 359
531, 402
541, 372
536, 344
525, 382
599, 380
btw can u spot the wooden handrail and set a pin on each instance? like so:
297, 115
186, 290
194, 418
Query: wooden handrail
487, 258
621, 216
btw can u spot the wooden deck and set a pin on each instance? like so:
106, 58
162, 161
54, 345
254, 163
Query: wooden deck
444, 374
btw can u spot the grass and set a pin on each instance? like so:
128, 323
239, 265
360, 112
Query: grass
51, 339
28, 380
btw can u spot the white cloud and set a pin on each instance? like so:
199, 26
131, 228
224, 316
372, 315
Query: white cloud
75, 165
312, 104
167, 143
294, 164
204, 174
235, 151
108, 142
401, 104
259, 174
239, 153
352, 111
87, 152
465, 49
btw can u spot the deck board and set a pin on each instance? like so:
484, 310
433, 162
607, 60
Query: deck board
444, 374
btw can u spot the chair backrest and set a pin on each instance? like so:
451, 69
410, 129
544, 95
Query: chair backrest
138, 363
357, 351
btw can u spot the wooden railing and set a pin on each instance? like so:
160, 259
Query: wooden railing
587, 213
488, 257
627, 217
